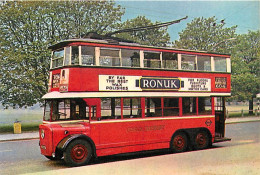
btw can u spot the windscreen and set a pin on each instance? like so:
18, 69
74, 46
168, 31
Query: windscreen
65, 109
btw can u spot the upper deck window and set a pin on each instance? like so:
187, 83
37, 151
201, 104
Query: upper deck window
134, 57
88, 55
74, 55
130, 58
57, 59
67, 56
204, 63
170, 60
152, 59
188, 62
109, 57
220, 64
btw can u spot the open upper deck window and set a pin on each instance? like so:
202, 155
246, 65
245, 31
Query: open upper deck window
152, 59
109, 57
188, 62
74, 55
87, 55
170, 60
67, 56
220, 64
57, 58
204, 63
130, 58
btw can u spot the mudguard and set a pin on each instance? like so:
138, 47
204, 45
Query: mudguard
61, 147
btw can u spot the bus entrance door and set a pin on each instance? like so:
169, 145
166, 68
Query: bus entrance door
220, 118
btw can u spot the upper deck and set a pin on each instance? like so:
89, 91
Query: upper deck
91, 65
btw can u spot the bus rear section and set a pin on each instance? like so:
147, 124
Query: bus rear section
220, 118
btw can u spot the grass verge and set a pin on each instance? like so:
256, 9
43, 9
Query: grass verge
9, 128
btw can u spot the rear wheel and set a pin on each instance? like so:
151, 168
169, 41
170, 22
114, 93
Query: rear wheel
179, 142
201, 140
78, 153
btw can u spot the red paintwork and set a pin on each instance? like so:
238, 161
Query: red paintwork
124, 135
80, 77
127, 135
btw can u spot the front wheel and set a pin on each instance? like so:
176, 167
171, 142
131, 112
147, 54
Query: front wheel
78, 153
54, 158
179, 142
201, 140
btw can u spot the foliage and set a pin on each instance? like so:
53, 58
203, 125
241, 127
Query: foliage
206, 34
209, 35
154, 37
28, 28
246, 66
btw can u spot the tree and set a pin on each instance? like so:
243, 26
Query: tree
154, 37
206, 34
28, 28
246, 68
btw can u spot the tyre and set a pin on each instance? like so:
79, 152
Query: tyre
54, 158
201, 140
78, 153
179, 142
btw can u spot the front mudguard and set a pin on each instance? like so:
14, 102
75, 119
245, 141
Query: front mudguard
61, 147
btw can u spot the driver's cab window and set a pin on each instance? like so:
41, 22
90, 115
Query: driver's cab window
66, 109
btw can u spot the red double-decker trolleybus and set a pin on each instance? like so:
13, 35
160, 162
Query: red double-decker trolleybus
110, 97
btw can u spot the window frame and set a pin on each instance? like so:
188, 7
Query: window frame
153, 60
110, 57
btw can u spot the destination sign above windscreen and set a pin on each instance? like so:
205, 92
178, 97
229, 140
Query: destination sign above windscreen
139, 83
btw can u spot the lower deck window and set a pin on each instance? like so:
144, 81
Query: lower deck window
110, 108
189, 106
125, 108
171, 107
204, 106
153, 107
132, 108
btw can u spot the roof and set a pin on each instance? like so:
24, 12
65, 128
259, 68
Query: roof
100, 39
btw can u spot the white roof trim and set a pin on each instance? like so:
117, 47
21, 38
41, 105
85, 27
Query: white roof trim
56, 95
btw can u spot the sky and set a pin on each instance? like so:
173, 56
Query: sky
244, 14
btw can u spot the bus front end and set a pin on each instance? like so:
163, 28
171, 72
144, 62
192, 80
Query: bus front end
62, 122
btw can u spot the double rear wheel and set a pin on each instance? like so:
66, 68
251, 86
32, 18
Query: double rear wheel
180, 141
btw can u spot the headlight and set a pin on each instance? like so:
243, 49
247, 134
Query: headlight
42, 134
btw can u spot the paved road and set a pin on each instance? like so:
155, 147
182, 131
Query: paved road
240, 156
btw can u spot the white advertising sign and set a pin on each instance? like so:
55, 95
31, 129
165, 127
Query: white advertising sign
139, 83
